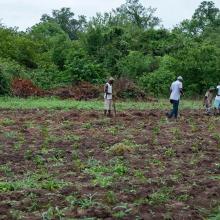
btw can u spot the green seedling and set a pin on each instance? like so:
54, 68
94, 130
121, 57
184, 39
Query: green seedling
161, 196
194, 127
183, 198
217, 138
121, 211
169, 152
10, 134
177, 176
176, 133
103, 181
72, 138
84, 203
111, 197
6, 170
140, 175
34, 203
7, 122
39, 160
87, 125
53, 213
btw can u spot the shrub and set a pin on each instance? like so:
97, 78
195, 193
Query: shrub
8, 70
158, 82
135, 64
4, 83
49, 78
80, 68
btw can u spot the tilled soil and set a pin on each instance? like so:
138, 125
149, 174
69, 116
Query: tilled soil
79, 164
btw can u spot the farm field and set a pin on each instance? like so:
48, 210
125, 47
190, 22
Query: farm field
62, 160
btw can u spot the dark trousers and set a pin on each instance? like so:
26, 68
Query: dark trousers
174, 111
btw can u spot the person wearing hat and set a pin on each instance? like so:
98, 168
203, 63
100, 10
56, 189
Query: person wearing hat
108, 96
217, 100
208, 99
176, 90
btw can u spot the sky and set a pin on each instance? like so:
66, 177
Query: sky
26, 13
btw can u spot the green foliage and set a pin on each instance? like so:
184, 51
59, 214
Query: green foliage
133, 11
135, 64
200, 67
205, 16
80, 68
4, 84
49, 78
65, 19
9, 69
158, 82
125, 42
32, 181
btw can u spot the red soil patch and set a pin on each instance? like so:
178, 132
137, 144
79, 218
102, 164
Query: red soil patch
82, 91
25, 88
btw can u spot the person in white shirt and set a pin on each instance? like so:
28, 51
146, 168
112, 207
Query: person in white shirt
217, 100
108, 96
176, 90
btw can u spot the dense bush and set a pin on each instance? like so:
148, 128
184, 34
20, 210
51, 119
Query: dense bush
8, 70
158, 82
80, 68
199, 64
49, 78
135, 64
4, 83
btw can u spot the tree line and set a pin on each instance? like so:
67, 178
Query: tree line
127, 42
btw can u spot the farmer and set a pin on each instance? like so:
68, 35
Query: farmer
217, 100
208, 100
176, 91
108, 97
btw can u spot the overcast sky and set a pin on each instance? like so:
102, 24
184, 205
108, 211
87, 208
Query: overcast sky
25, 13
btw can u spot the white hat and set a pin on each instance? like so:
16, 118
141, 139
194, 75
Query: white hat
111, 79
180, 78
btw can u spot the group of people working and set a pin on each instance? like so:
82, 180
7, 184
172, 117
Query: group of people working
176, 91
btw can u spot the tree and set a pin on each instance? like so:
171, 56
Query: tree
53, 43
199, 64
205, 16
133, 11
65, 18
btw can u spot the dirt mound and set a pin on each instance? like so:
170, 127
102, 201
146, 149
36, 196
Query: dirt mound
25, 88
127, 89
82, 91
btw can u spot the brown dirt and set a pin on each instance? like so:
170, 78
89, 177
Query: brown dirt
25, 88
82, 91
183, 157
